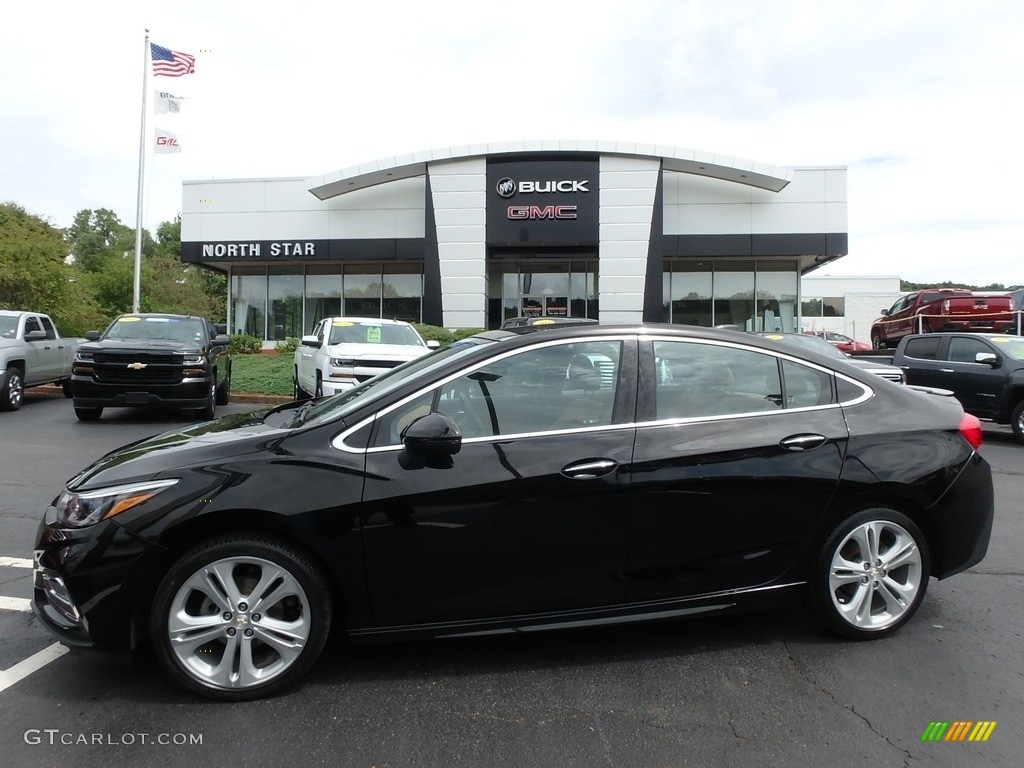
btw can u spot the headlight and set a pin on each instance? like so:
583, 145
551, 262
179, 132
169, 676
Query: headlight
79, 510
341, 362
193, 360
84, 356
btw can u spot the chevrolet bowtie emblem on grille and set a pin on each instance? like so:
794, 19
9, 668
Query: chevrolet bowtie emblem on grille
136, 366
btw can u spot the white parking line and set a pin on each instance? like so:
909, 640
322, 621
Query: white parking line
15, 603
16, 562
33, 663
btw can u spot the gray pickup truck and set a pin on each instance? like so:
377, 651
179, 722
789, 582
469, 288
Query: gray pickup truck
31, 353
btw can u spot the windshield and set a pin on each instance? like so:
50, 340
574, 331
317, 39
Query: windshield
1011, 346
183, 329
346, 402
348, 332
8, 327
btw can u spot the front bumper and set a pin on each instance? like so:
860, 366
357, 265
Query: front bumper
88, 581
190, 393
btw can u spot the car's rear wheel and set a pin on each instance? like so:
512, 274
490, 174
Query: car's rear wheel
871, 574
241, 616
1017, 420
12, 389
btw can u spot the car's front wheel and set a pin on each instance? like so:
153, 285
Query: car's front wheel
871, 574
209, 411
12, 388
241, 616
876, 341
88, 414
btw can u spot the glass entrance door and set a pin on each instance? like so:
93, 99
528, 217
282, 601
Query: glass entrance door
532, 287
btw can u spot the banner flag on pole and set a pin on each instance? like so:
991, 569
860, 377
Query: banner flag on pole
166, 143
171, 63
167, 102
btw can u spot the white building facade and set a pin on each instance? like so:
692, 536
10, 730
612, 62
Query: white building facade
465, 237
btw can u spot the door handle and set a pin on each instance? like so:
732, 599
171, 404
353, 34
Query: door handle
802, 442
588, 470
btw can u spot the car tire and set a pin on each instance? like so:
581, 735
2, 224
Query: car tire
876, 342
224, 391
1017, 420
88, 414
298, 392
209, 411
219, 638
870, 575
12, 389
319, 386
66, 388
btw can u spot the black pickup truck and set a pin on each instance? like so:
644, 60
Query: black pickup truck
152, 360
984, 370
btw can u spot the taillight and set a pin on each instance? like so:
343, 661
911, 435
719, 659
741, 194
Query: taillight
970, 428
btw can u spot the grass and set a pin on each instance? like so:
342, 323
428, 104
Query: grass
262, 374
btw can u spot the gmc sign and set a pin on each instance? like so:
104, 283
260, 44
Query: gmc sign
539, 212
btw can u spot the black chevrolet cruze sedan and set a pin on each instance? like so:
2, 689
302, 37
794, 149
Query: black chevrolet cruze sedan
528, 480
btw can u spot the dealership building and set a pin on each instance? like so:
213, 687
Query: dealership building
465, 237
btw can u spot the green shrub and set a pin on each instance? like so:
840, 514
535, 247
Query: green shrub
465, 333
245, 345
434, 333
287, 347
262, 374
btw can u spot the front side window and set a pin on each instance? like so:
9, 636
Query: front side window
964, 350
559, 387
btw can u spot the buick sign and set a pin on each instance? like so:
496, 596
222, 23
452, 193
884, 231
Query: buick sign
506, 187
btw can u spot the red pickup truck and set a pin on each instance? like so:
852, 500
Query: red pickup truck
941, 309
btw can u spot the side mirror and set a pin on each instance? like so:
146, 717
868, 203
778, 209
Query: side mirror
220, 328
92, 335
432, 435
433, 344
222, 339
885, 313
311, 341
987, 358
35, 336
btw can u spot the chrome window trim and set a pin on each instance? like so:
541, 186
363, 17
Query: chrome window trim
338, 442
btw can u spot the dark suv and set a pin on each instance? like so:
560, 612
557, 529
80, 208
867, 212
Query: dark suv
984, 370
152, 359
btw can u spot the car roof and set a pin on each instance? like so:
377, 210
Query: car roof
374, 320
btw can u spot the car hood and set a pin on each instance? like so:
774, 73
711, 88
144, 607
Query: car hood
150, 345
207, 442
377, 351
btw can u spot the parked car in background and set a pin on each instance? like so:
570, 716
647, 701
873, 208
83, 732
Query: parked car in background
823, 347
343, 352
177, 361
502, 485
984, 371
31, 353
941, 309
844, 343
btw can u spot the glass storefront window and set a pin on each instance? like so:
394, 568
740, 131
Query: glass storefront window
402, 289
284, 291
249, 301
734, 293
776, 296
362, 286
323, 294
690, 294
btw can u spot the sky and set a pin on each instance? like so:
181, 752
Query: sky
919, 100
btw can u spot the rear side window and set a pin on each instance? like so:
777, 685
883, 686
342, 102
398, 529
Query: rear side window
923, 348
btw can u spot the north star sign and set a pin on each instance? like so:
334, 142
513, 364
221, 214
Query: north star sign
255, 250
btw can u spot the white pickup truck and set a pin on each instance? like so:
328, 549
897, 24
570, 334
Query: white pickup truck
31, 353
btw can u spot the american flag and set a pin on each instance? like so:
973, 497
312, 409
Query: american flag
171, 63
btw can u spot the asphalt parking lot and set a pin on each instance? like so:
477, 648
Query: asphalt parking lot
752, 690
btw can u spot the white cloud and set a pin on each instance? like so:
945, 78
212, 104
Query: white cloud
917, 98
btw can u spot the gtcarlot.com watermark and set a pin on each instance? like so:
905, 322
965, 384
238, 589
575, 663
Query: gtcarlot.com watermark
57, 737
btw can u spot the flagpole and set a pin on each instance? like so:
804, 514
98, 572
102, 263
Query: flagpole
142, 169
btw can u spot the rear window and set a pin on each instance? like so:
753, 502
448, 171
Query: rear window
923, 348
